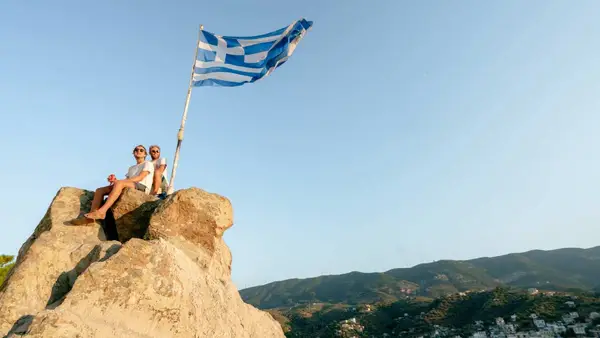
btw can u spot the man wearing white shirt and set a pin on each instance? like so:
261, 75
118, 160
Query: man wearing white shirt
159, 184
139, 177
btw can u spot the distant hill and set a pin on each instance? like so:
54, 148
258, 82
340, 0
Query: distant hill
558, 270
451, 316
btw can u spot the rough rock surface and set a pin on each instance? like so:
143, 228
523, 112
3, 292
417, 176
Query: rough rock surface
131, 213
51, 258
174, 283
210, 215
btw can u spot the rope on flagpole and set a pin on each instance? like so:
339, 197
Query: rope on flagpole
183, 118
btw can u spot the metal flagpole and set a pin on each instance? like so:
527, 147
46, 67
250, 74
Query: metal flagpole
183, 118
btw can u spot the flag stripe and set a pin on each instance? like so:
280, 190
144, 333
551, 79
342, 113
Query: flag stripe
225, 70
255, 58
258, 48
226, 76
239, 60
200, 65
217, 83
238, 50
274, 33
248, 42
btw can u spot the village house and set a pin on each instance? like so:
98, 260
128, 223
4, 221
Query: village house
480, 334
579, 329
595, 332
556, 328
567, 319
509, 329
539, 323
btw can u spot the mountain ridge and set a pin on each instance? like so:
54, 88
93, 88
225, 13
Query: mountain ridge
556, 269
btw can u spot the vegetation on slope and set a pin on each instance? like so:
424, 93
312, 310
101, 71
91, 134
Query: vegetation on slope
560, 270
6, 263
418, 316
350, 288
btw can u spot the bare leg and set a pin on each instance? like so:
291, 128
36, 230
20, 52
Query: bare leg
99, 196
115, 192
156, 183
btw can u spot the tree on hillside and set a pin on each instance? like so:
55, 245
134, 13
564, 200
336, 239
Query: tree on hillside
6, 263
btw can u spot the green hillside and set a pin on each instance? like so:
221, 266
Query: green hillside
6, 263
561, 269
449, 315
354, 287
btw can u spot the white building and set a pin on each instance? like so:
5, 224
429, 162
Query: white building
579, 329
479, 334
567, 319
539, 323
509, 329
557, 328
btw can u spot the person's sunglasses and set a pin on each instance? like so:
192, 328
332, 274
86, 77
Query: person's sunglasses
139, 150
154, 151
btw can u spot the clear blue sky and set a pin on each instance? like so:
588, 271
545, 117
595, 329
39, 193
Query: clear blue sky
398, 133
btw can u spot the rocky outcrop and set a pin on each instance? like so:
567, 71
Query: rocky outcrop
171, 277
132, 212
210, 214
51, 258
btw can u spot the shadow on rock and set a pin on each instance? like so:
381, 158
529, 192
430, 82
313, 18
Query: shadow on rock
21, 326
110, 227
85, 203
64, 283
132, 221
112, 250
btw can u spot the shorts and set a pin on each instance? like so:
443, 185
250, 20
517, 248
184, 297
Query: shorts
140, 187
163, 185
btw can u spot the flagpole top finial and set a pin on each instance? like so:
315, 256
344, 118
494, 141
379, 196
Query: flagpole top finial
201, 27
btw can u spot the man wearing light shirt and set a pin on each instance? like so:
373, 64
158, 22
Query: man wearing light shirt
159, 184
139, 177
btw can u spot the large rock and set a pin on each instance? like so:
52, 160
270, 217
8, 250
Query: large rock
152, 289
194, 220
51, 259
174, 283
131, 213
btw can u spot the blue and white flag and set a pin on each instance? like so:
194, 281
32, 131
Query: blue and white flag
233, 60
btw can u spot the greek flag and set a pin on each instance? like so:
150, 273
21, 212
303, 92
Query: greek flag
233, 60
